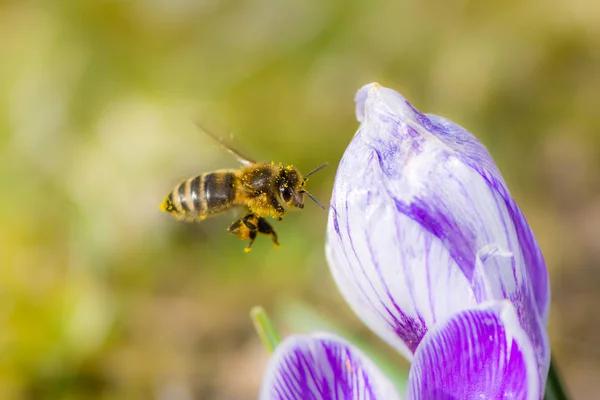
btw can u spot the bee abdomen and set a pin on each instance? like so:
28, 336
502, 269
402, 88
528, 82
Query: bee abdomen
201, 196
219, 190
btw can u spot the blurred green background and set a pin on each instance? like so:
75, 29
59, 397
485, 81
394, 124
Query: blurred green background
104, 297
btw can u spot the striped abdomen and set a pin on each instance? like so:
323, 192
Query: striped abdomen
202, 196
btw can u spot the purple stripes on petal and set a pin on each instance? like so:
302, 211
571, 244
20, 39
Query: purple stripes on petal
378, 260
477, 354
471, 151
474, 154
417, 201
322, 366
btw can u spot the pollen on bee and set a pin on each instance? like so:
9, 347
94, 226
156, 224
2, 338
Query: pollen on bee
247, 249
166, 205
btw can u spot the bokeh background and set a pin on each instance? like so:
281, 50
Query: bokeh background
104, 297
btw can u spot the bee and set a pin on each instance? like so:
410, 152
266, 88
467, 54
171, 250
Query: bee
262, 189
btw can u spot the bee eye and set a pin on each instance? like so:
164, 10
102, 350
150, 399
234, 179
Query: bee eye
286, 194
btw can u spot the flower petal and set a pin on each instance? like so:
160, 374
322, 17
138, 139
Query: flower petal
416, 203
466, 148
323, 366
475, 155
477, 354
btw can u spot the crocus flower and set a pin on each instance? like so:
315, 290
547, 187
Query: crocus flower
477, 354
323, 366
422, 227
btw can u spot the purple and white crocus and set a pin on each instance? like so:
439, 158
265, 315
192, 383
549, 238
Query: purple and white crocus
431, 251
480, 353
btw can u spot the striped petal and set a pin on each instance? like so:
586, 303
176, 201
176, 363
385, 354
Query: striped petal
323, 366
422, 226
477, 354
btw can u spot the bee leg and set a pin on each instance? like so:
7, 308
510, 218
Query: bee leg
243, 226
252, 237
280, 210
245, 229
249, 221
265, 228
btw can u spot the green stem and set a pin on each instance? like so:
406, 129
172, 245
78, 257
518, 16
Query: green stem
265, 329
554, 387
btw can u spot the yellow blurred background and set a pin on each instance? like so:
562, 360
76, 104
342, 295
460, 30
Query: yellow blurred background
102, 296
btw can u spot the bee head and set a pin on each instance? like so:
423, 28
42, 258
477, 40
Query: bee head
291, 186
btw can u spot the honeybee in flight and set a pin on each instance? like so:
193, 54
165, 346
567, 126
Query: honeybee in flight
263, 189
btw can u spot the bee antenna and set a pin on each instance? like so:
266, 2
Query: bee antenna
320, 167
313, 197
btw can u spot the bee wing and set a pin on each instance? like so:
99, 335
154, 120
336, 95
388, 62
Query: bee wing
242, 159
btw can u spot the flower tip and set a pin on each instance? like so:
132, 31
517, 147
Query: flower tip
361, 99
374, 98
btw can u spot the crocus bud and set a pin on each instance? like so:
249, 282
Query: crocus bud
422, 227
